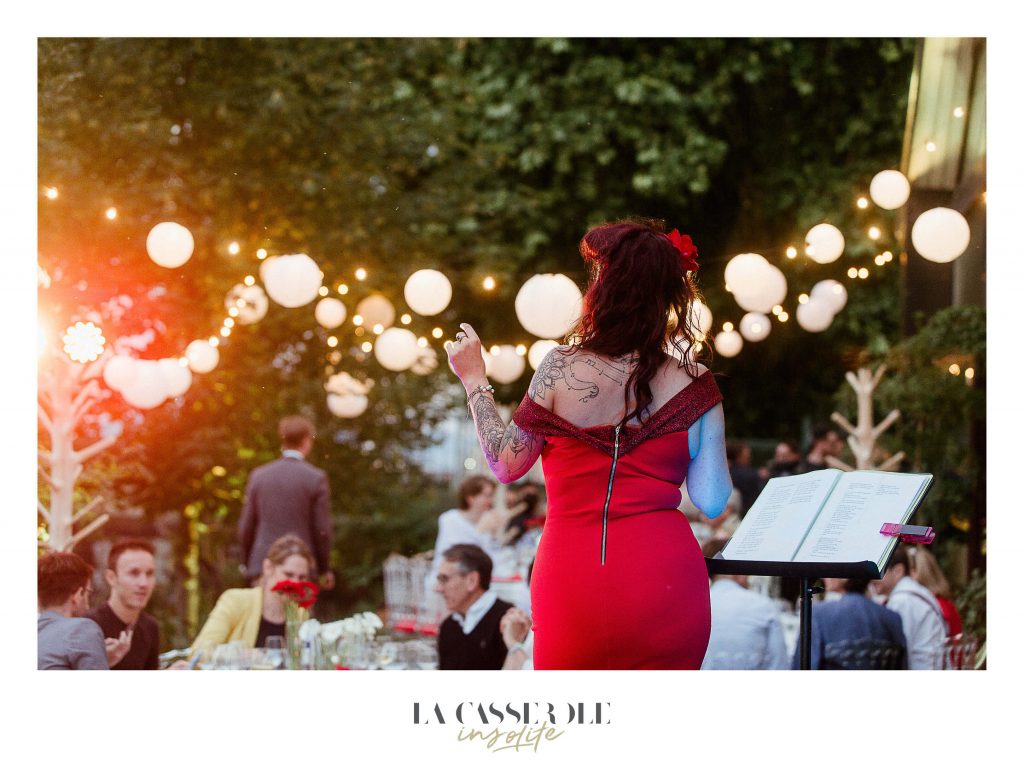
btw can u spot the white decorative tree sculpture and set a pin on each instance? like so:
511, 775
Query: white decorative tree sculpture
864, 435
67, 389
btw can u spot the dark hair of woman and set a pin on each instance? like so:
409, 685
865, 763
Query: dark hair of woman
639, 301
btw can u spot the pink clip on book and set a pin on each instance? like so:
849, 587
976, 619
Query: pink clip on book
909, 533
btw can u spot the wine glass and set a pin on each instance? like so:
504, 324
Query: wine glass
225, 658
387, 656
427, 656
275, 651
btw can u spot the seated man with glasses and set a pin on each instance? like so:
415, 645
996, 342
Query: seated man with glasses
67, 640
470, 639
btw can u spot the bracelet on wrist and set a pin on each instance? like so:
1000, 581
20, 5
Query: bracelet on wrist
480, 389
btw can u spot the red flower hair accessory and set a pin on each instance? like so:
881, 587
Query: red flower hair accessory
687, 250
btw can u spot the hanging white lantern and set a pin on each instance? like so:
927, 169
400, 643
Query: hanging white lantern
728, 343
507, 365
119, 372
832, 292
426, 361
427, 292
344, 384
814, 315
330, 313
250, 301
202, 356
170, 245
754, 326
941, 235
768, 290
347, 405
825, 243
890, 189
540, 349
375, 310
177, 377
548, 305
291, 280
396, 349
148, 388
743, 269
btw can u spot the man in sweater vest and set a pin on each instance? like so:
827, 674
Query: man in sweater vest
470, 638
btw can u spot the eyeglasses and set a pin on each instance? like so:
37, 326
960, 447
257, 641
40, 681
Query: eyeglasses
443, 578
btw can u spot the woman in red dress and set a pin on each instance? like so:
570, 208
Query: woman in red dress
619, 580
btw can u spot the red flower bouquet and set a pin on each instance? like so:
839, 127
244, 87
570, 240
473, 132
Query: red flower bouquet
302, 593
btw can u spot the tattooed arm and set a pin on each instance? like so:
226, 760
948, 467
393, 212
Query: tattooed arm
509, 450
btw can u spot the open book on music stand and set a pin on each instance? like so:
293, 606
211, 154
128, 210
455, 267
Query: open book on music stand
825, 524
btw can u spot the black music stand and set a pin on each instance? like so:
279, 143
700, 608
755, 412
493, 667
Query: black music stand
806, 572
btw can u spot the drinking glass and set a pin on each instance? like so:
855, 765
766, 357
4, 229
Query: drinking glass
225, 658
275, 651
427, 656
387, 656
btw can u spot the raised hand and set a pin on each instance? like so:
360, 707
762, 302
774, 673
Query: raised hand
465, 357
118, 647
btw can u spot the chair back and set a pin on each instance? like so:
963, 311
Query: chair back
864, 654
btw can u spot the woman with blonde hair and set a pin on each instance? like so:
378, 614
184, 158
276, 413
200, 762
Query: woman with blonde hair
925, 570
252, 615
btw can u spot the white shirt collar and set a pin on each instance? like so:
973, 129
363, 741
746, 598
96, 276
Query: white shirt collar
476, 612
291, 453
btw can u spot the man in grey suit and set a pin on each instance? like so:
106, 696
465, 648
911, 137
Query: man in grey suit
288, 496
67, 640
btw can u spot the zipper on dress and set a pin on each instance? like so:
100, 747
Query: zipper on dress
608, 496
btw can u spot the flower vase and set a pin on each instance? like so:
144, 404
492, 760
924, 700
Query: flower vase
294, 616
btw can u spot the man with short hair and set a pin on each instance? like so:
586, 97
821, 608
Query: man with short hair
471, 638
825, 442
132, 635
66, 639
288, 496
746, 632
923, 624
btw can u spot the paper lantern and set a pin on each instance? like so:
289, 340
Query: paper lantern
119, 372
940, 235
347, 405
344, 384
728, 343
507, 365
814, 315
396, 349
825, 243
548, 305
375, 310
170, 245
148, 388
832, 292
202, 356
427, 292
177, 378
754, 326
890, 189
250, 301
426, 361
330, 313
291, 280
540, 349
768, 290
743, 269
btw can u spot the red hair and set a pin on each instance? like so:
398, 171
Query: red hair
636, 289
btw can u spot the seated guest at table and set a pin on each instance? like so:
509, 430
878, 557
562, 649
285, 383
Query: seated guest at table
527, 500
744, 476
462, 524
470, 638
253, 615
854, 632
66, 639
923, 624
745, 629
924, 569
132, 635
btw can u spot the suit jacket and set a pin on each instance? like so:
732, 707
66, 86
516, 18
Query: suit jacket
236, 616
286, 496
70, 643
853, 617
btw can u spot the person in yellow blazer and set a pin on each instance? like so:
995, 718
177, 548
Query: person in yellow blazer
252, 615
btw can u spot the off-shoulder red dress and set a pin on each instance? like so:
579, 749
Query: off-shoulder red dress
619, 580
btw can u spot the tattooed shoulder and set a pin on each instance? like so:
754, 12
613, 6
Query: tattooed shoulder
552, 369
